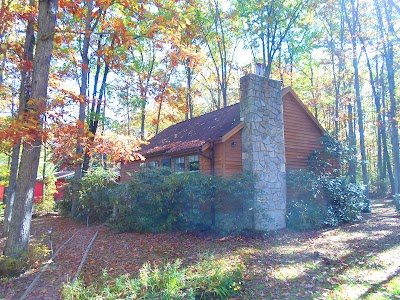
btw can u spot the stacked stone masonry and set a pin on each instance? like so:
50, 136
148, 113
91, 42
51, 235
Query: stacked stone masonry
263, 149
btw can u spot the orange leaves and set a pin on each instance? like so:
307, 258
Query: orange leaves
63, 139
119, 147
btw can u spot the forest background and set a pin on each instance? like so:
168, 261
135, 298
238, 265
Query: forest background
122, 71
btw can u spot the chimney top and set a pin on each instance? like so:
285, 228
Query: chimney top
260, 69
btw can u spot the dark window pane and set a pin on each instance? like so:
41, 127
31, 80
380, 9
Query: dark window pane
166, 163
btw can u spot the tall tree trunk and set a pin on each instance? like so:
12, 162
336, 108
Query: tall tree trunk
352, 142
386, 157
19, 228
189, 104
353, 24
95, 116
24, 92
377, 101
393, 105
89, 27
95, 111
388, 58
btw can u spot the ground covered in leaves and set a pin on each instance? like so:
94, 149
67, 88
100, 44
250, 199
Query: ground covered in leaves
354, 261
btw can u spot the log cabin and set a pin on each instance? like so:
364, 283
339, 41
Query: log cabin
212, 143
267, 133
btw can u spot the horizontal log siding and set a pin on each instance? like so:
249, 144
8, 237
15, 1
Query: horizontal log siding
233, 155
205, 163
302, 135
129, 168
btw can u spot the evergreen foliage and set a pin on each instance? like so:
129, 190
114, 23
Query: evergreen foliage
95, 198
325, 195
156, 200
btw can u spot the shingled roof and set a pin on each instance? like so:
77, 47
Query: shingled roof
194, 133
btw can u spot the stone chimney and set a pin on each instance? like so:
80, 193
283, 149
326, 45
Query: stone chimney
263, 149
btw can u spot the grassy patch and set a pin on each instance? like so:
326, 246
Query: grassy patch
211, 277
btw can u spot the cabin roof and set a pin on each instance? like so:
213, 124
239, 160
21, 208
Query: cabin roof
194, 133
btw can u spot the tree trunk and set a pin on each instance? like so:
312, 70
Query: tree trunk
24, 92
377, 101
82, 103
352, 22
386, 157
352, 142
393, 107
94, 118
19, 228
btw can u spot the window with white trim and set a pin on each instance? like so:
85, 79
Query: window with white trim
179, 164
193, 163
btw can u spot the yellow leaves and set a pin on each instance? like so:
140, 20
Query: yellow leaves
119, 147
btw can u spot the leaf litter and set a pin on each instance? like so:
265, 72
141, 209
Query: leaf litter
353, 261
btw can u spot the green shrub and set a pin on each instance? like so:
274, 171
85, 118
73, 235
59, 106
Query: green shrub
12, 266
346, 200
32, 258
209, 279
46, 206
316, 200
95, 195
157, 200
304, 214
2, 211
305, 204
64, 204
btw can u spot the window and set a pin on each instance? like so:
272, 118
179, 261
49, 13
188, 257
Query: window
179, 164
153, 164
193, 163
166, 162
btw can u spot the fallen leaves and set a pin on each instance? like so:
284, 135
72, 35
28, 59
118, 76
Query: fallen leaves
281, 266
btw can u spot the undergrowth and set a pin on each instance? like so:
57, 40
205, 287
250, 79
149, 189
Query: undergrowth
209, 279
10, 266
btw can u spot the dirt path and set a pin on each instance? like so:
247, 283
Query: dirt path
349, 262
353, 261
59, 271
64, 267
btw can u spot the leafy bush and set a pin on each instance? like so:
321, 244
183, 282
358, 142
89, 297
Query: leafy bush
95, 196
64, 205
335, 157
304, 214
325, 194
33, 258
305, 206
210, 278
96, 193
157, 200
346, 200
12, 266
46, 206
2, 211
316, 200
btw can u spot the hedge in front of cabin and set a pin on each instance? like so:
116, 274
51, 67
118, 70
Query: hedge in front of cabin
324, 194
157, 200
